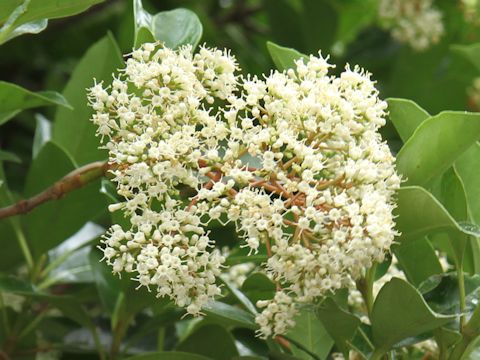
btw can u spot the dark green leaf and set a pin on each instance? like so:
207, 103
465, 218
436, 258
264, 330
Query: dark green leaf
340, 324
212, 341
53, 222
233, 315
400, 312
417, 259
108, 285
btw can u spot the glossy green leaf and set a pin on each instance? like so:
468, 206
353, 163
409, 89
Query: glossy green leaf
400, 312
14, 98
212, 341
420, 214
73, 130
45, 9
174, 27
310, 333
406, 116
169, 355
31, 16
284, 58
436, 144
340, 324
231, 314
48, 225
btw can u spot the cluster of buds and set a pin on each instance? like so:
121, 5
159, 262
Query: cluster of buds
414, 22
293, 159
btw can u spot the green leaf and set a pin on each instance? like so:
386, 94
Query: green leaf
240, 296
8, 156
11, 284
66, 304
417, 259
310, 333
174, 27
258, 286
470, 52
442, 294
406, 116
436, 144
43, 133
73, 130
45, 9
212, 341
400, 312
467, 167
69, 261
169, 355
30, 16
234, 316
353, 17
54, 221
14, 98
420, 214
340, 324
284, 58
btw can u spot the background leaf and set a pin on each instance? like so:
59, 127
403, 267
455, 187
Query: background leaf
73, 129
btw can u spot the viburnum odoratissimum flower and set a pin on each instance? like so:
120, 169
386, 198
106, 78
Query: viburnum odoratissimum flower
294, 159
415, 22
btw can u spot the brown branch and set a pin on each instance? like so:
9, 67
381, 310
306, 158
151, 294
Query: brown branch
72, 181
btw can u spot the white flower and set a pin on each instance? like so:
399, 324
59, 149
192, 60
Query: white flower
191, 142
415, 22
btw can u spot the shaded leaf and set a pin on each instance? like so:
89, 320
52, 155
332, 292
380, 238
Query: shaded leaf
400, 312
53, 222
212, 341
340, 324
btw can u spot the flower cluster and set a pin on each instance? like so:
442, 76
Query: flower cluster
415, 22
293, 159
